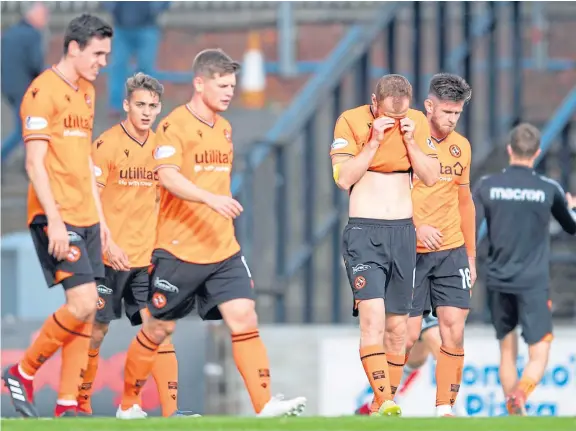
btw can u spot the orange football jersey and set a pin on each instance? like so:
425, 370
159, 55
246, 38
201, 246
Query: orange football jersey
438, 205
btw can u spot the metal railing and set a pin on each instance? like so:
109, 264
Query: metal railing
303, 245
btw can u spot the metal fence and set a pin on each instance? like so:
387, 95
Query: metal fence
298, 260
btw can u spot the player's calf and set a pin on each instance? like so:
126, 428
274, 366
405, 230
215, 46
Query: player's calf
99, 331
251, 359
395, 336
81, 301
508, 372
372, 354
538, 354
140, 360
450, 361
414, 329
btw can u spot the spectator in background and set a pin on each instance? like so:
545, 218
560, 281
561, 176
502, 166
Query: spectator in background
136, 33
22, 61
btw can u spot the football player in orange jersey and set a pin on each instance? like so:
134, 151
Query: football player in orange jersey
444, 216
197, 258
64, 212
124, 169
375, 150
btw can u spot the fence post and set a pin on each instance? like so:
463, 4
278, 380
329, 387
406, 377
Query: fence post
467, 21
390, 42
362, 79
336, 241
517, 57
493, 75
246, 198
309, 185
286, 39
441, 29
417, 53
282, 220
566, 157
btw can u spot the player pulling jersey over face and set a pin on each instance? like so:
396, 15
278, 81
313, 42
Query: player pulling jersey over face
374, 151
64, 213
196, 256
445, 223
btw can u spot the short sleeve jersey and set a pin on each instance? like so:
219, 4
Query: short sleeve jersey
354, 129
61, 113
203, 154
124, 166
438, 205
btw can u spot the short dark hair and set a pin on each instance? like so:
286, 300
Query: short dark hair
84, 28
141, 81
214, 61
524, 140
450, 87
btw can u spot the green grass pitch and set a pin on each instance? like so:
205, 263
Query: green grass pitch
296, 424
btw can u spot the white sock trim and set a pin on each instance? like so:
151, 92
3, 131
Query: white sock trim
23, 374
67, 403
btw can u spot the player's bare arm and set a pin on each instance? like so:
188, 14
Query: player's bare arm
59, 244
427, 168
468, 225
348, 169
181, 187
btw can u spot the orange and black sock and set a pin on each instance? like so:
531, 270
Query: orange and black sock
449, 366
57, 329
74, 362
376, 367
251, 360
140, 359
85, 393
527, 386
396, 367
165, 373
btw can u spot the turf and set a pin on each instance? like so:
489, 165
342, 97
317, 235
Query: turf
297, 424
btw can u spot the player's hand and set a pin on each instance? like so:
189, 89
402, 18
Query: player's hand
58, 241
380, 125
226, 206
104, 236
571, 200
430, 237
117, 258
407, 127
473, 275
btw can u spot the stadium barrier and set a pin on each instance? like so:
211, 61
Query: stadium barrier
331, 376
191, 343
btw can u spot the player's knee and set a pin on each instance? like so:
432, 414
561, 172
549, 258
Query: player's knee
82, 300
396, 332
371, 314
539, 352
158, 330
99, 331
413, 332
239, 315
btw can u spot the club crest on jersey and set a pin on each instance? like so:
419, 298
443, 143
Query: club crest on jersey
88, 100
430, 143
455, 150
